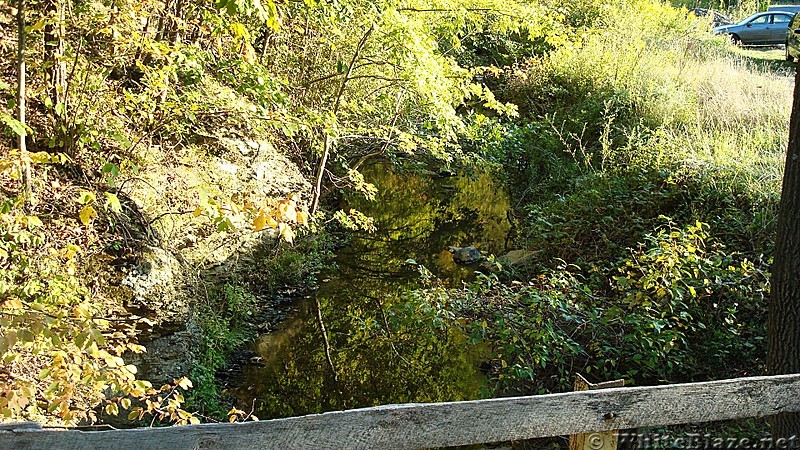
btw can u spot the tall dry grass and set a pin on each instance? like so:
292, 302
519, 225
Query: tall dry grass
692, 99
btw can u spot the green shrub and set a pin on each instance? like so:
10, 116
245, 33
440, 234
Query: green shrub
223, 323
679, 308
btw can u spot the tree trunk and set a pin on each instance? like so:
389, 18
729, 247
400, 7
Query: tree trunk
177, 19
53, 56
267, 35
328, 143
26, 166
783, 325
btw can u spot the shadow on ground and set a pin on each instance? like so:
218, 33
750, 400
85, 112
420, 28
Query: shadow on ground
767, 59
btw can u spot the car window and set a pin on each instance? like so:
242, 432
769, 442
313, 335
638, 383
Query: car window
780, 18
762, 20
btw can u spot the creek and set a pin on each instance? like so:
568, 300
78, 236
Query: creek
381, 344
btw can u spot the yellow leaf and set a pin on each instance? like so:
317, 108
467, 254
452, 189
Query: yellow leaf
43, 157
302, 217
248, 53
198, 211
272, 223
135, 348
137, 392
81, 311
112, 202
111, 409
288, 210
86, 198
33, 222
286, 233
13, 303
185, 383
70, 251
125, 403
87, 214
260, 222
38, 25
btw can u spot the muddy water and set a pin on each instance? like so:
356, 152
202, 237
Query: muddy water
381, 344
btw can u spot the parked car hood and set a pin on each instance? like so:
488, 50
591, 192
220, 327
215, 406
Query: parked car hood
723, 28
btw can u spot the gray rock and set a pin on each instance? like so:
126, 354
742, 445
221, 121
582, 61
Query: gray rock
516, 257
166, 359
466, 255
156, 285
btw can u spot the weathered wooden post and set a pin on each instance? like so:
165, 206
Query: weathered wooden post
606, 440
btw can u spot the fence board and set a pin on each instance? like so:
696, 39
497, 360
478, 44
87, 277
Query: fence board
450, 424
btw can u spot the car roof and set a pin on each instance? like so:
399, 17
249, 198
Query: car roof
785, 13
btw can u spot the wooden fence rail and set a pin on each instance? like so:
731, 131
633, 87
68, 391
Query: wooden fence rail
450, 424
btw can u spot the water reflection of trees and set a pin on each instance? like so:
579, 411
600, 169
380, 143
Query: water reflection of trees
385, 346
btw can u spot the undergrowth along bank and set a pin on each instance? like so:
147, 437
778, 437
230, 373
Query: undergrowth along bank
645, 171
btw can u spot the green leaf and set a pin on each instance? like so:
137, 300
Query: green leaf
225, 225
6, 343
16, 126
80, 339
61, 109
25, 336
111, 168
97, 336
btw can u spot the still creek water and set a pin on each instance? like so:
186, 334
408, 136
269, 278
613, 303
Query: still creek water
384, 347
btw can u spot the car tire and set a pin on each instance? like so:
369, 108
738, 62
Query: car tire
736, 40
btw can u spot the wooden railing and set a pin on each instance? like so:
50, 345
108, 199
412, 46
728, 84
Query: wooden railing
449, 424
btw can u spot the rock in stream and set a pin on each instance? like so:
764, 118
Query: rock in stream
466, 255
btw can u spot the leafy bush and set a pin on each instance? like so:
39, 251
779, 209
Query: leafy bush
53, 328
223, 322
679, 308
63, 335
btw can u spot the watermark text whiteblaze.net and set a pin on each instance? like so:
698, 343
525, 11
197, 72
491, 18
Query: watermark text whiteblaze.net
647, 440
